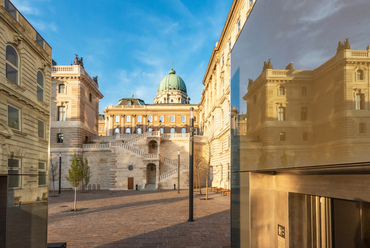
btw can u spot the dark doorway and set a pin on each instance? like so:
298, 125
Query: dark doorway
130, 183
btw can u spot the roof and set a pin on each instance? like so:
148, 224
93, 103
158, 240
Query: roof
172, 82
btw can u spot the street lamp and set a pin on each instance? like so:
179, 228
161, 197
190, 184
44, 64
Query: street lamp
178, 171
60, 172
191, 150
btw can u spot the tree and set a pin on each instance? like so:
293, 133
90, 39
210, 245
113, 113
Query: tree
54, 173
208, 162
86, 174
75, 176
198, 163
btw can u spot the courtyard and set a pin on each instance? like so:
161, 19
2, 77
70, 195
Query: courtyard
139, 219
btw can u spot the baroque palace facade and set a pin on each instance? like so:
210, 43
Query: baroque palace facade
25, 78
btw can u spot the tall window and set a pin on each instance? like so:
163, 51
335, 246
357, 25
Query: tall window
128, 118
62, 88
60, 138
172, 130
161, 119
14, 118
281, 114
229, 45
222, 60
14, 173
128, 130
183, 118
42, 174
360, 101
40, 85
41, 129
90, 97
304, 91
239, 25
117, 118
39, 40
139, 118
282, 136
139, 130
183, 130
116, 131
172, 118
11, 9
303, 113
61, 113
359, 75
12, 64
161, 130
150, 129
281, 91
150, 118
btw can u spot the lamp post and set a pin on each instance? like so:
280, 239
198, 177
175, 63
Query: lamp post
60, 172
178, 171
191, 149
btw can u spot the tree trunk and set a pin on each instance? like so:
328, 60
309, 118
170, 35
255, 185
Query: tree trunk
75, 202
200, 185
54, 188
207, 184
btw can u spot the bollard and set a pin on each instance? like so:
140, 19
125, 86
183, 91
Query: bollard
174, 187
137, 187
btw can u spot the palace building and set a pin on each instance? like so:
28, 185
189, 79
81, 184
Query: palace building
24, 130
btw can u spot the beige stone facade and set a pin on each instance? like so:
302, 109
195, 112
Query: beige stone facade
214, 107
25, 79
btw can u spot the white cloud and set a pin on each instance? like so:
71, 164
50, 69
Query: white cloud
43, 26
25, 8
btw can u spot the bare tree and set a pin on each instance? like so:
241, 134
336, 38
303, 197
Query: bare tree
54, 172
198, 167
208, 166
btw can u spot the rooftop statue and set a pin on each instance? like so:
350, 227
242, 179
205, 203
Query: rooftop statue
343, 45
78, 61
95, 79
267, 65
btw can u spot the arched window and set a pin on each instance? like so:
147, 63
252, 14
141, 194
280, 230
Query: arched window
172, 130
128, 118
128, 130
183, 118
150, 118
40, 85
359, 75
172, 118
139, 130
150, 129
62, 88
116, 131
161, 119
12, 64
183, 130
139, 118
117, 118
161, 130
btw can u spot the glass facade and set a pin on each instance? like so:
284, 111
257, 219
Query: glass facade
297, 78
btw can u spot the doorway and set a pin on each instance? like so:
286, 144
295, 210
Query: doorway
130, 183
151, 173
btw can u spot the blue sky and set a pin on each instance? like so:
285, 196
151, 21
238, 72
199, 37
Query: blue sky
130, 44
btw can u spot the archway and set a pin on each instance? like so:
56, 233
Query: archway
153, 147
151, 173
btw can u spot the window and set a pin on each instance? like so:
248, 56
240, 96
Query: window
183, 118
90, 97
172, 118
150, 118
117, 118
281, 91
305, 136
62, 88
100, 128
12, 64
304, 91
360, 101
14, 173
11, 9
42, 174
116, 131
161, 130
281, 114
40, 85
129, 103
172, 130
128, 130
139, 118
128, 118
139, 130
359, 75
41, 129
39, 40
59, 138
61, 113
161, 118
150, 129
229, 45
362, 127
14, 118
171, 100
195, 118
303, 113
183, 130
239, 25
222, 60
282, 136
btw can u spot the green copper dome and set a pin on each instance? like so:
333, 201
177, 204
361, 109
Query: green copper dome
172, 82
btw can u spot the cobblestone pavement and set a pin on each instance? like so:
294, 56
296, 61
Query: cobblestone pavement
139, 219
